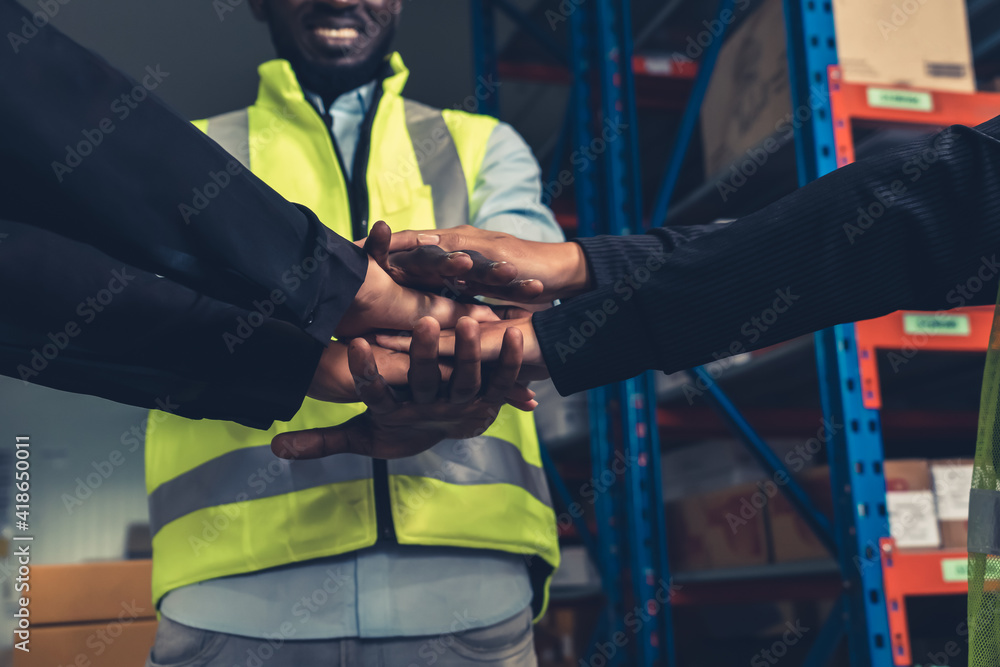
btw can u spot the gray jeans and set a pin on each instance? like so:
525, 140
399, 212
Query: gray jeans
509, 643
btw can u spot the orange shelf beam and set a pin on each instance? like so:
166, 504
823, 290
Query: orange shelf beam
915, 572
909, 332
850, 102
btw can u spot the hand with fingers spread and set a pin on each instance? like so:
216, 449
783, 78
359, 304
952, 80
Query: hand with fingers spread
393, 428
382, 303
545, 271
492, 336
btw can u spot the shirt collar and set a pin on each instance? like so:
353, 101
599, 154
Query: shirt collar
354, 102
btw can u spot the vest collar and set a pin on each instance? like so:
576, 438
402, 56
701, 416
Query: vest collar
279, 87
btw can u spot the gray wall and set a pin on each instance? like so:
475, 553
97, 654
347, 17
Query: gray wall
83, 494
212, 55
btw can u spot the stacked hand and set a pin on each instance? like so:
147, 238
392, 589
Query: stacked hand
492, 335
536, 272
415, 262
383, 303
428, 385
391, 427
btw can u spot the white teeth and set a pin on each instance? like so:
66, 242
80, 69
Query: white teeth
337, 33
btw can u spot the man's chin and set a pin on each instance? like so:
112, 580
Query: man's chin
340, 64
335, 76
322, 54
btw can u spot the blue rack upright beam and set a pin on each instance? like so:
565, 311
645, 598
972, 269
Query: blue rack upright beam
632, 555
484, 52
856, 447
607, 504
636, 398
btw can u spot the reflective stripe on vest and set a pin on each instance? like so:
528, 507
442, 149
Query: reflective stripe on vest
481, 460
440, 167
232, 132
437, 156
222, 480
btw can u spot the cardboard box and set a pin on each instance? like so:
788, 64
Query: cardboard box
952, 483
916, 43
791, 537
909, 500
907, 475
748, 99
713, 465
86, 592
954, 534
722, 529
105, 644
96, 614
707, 466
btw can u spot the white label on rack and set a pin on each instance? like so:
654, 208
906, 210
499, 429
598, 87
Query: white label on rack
892, 98
954, 570
952, 483
912, 520
937, 325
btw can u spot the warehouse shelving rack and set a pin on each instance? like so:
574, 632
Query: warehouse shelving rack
870, 578
924, 572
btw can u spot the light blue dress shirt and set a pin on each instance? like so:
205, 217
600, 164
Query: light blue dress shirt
389, 590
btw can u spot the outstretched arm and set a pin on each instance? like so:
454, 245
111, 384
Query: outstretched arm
914, 228
909, 229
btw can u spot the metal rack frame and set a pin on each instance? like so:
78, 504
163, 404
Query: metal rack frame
903, 573
631, 548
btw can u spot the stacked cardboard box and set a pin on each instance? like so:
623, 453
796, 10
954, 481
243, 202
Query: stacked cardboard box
748, 104
96, 614
791, 536
952, 483
909, 499
911, 43
754, 524
719, 529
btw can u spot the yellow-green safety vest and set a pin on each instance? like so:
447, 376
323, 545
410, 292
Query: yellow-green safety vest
220, 503
984, 518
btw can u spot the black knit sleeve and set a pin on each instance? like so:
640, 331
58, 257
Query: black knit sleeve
915, 228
